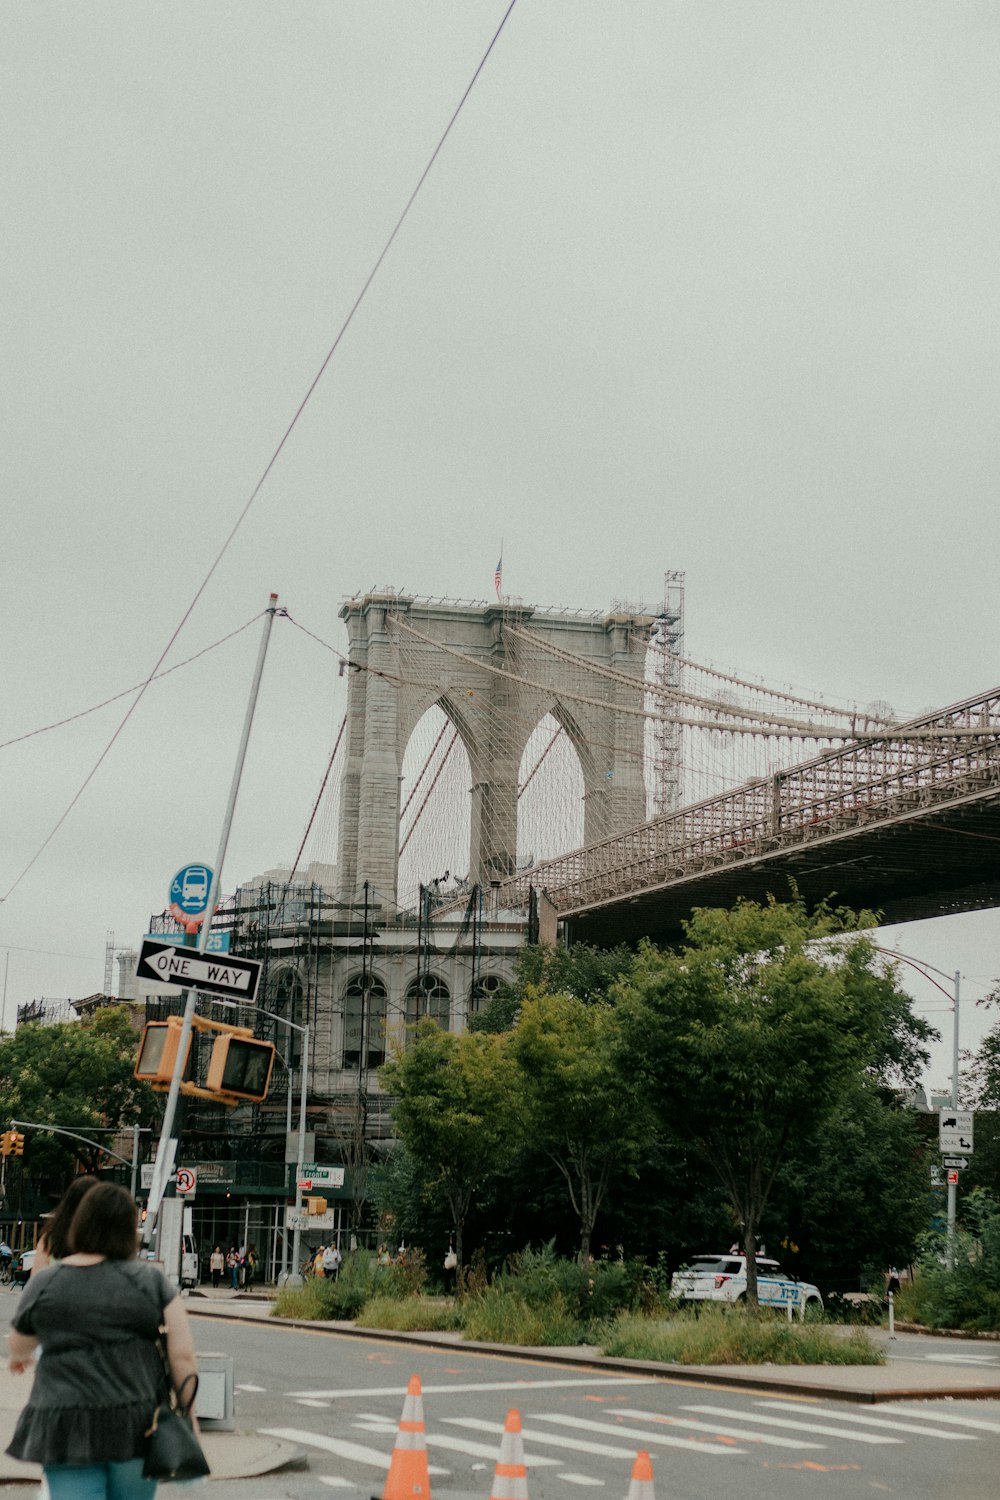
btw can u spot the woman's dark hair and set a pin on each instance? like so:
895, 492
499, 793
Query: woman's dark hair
105, 1224
56, 1232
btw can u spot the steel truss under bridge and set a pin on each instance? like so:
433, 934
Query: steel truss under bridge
907, 823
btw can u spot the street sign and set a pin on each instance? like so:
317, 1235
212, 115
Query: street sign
958, 1162
236, 978
323, 1176
303, 1220
305, 1183
218, 942
953, 1178
187, 1181
189, 892
955, 1130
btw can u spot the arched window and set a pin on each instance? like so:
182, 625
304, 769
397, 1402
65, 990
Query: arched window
357, 1014
483, 991
428, 996
285, 997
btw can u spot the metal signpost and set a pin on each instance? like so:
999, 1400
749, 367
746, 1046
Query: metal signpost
196, 898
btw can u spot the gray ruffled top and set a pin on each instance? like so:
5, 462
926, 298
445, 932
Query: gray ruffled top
99, 1376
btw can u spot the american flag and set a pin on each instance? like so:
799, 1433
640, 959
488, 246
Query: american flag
498, 574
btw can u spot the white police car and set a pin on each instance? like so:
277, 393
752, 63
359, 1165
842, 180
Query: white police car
723, 1278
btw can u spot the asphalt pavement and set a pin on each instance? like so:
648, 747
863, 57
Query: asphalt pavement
917, 1368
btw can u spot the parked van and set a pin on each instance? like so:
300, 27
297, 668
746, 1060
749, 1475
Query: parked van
189, 1262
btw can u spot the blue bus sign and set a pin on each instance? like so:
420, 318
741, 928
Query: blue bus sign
189, 891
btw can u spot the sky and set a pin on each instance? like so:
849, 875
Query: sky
691, 286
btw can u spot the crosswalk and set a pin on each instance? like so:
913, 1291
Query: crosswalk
718, 1431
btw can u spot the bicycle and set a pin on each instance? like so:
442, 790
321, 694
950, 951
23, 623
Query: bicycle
6, 1270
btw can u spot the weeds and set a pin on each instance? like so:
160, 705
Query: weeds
732, 1336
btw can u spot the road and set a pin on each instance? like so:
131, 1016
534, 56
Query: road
341, 1400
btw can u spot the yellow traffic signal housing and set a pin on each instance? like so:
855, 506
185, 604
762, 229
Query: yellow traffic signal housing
18, 1144
315, 1207
240, 1067
7, 1142
158, 1052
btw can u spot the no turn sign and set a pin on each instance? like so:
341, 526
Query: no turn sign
187, 1181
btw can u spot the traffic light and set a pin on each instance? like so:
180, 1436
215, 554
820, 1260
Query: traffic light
7, 1142
18, 1144
241, 1067
158, 1052
315, 1207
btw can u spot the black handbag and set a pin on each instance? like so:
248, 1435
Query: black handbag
172, 1447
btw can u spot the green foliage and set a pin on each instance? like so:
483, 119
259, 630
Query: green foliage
752, 1034
411, 1314
307, 1301
404, 1277
852, 1191
576, 1101
501, 1315
966, 1295
452, 1111
734, 1336
586, 973
78, 1075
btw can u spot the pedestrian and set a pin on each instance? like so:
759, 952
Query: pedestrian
892, 1286
97, 1315
233, 1267
241, 1255
318, 1269
53, 1241
251, 1269
331, 1261
217, 1264
450, 1269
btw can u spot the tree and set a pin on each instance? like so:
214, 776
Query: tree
587, 973
77, 1074
752, 1032
577, 1102
453, 1111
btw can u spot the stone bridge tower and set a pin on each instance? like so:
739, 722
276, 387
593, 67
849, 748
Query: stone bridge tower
495, 671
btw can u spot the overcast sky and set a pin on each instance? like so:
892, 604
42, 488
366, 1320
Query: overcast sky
703, 285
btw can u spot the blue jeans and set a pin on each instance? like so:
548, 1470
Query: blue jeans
99, 1481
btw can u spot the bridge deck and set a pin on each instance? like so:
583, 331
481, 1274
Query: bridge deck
908, 824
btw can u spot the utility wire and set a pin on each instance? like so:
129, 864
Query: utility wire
270, 463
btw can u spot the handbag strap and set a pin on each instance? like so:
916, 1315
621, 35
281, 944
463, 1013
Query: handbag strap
184, 1407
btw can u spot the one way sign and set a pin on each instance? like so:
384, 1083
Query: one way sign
187, 969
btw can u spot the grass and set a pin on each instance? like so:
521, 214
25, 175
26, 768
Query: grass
732, 1336
498, 1315
410, 1314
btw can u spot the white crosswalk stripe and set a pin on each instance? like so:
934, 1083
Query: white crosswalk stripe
581, 1445
583, 1479
795, 1425
354, 1452
624, 1382
893, 1424
653, 1433
978, 1424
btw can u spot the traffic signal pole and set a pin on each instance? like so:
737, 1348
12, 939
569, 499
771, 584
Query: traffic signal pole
161, 1169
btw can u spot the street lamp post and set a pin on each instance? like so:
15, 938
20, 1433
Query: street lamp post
922, 968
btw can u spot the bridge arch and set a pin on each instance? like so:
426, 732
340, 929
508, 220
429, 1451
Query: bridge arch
495, 670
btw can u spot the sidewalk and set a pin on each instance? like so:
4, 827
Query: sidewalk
899, 1380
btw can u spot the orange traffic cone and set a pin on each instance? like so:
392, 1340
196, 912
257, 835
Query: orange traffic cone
408, 1478
510, 1479
641, 1487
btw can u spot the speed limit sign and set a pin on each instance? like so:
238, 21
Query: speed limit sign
187, 1181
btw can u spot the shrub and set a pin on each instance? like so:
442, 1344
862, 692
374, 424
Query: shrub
965, 1295
864, 1311
500, 1315
410, 1314
733, 1336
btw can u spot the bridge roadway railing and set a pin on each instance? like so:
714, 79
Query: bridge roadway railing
921, 764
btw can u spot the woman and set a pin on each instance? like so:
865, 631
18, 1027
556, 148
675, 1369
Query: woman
97, 1315
233, 1267
217, 1264
53, 1243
